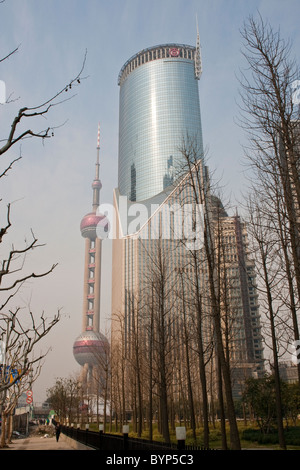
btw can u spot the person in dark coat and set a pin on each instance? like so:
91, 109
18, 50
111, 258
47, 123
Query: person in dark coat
57, 431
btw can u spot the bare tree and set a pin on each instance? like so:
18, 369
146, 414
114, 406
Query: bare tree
20, 333
197, 336
118, 361
160, 281
20, 336
102, 379
136, 358
266, 248
16, 134
65, 398
197, 180
270, 117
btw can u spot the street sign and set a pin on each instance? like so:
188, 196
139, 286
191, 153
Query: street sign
29, 398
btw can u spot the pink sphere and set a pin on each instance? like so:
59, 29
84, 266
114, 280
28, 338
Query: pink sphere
90, 348
89, 224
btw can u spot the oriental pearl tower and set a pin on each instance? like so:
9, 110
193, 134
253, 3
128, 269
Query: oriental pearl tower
91, 346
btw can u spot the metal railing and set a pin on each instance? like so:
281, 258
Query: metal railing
115, 442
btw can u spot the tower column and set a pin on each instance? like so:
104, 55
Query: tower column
85, 285
98, 248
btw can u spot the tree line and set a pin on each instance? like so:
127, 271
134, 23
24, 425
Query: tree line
163, 361
21, 329
174, 354
169, 368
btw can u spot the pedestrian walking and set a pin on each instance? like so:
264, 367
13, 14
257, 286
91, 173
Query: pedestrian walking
57, 431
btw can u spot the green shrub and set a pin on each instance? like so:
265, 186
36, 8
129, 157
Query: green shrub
292, 436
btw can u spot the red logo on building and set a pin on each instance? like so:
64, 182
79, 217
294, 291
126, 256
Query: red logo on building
174, 52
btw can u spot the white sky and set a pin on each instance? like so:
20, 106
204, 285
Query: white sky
51, 185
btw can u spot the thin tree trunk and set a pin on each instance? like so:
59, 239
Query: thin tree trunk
221, 406
275, 360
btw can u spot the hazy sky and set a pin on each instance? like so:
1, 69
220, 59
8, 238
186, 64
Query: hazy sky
51, 186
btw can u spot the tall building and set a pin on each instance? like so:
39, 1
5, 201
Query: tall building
240, 306
160, 278
89, 347
159, 108
159, 111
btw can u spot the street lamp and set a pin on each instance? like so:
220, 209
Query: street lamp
180, 436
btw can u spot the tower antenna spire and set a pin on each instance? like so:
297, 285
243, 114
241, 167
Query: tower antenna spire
98, 137
198, 57
97, 183
98, 152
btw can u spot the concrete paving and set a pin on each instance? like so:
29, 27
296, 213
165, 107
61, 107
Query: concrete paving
45, 443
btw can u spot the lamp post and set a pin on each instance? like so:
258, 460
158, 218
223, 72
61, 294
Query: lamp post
181, 437
86, 432
101, 428
125, 435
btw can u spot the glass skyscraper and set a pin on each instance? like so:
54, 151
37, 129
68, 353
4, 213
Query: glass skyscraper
159, 108
160, 276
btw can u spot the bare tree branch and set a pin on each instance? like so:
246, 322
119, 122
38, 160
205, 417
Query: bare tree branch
4, 230
10, 53
39, 110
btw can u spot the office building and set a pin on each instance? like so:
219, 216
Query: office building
159, 270
159, 108
159, 112
239, 303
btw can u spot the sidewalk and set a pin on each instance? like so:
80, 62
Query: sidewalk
43, 443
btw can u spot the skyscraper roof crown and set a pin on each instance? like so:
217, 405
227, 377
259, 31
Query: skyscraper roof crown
162, 51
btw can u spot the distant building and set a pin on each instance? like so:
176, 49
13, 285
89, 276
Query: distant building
241, 302
288, 372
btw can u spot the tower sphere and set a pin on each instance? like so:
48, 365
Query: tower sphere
90, 347
89, 224
97, 184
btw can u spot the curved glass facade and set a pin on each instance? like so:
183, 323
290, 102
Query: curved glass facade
159, 108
